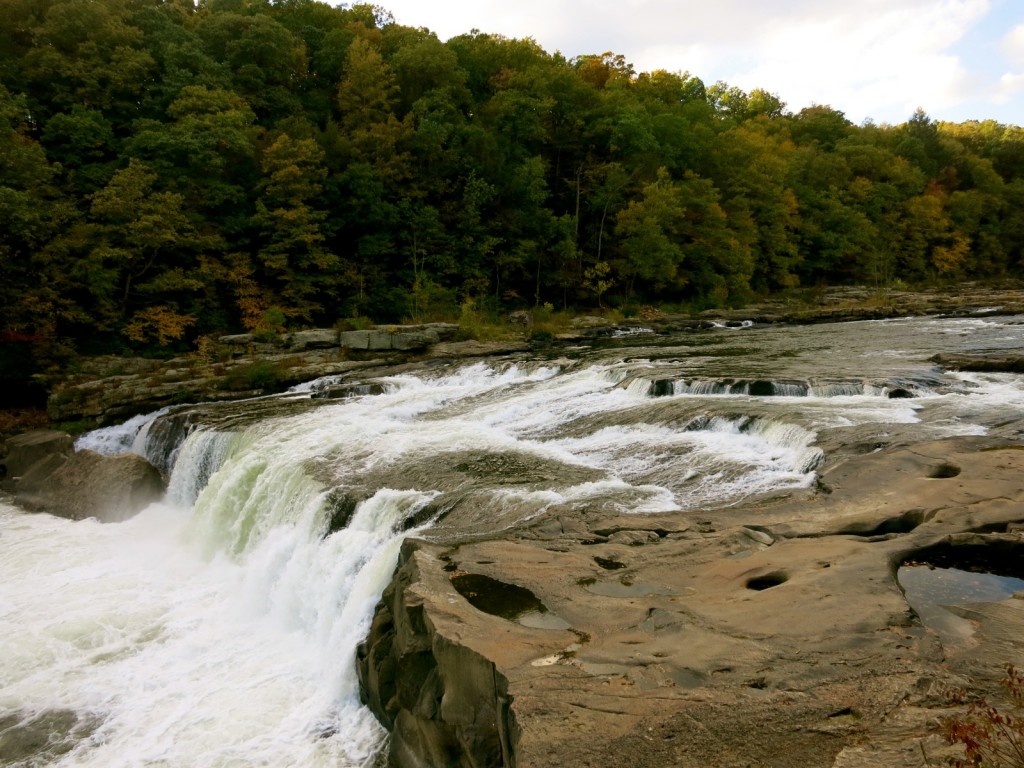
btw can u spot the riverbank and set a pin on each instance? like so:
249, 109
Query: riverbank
105, 390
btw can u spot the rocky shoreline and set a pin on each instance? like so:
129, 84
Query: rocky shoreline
107, 390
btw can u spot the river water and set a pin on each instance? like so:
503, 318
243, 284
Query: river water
217, 628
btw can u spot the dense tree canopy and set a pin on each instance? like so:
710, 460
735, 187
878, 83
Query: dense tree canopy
169, 170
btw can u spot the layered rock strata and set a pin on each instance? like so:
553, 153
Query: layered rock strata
106, 390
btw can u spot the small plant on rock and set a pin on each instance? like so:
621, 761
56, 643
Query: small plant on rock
991, 738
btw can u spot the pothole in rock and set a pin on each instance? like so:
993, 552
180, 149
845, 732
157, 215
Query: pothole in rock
508, 601
943, 471
938, 580
767, 581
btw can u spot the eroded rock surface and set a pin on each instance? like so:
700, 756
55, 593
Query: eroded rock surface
772, 634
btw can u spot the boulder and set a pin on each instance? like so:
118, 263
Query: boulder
521, 317
355, 339
400, 338
413, 340
88, 484
24, 451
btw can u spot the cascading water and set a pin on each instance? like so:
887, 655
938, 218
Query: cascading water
120, 438
218, 627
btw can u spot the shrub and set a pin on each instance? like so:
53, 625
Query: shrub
480, 321
271, 325
76, 427
261, 375
358, 323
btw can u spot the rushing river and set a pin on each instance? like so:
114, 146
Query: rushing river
218, 627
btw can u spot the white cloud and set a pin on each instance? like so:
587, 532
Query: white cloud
1012, 45
1010, 86
868, 58
868, 65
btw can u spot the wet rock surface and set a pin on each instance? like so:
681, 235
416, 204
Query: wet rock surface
995, 363
770, 634
108, 488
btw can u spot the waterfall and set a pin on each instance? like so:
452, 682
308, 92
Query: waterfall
218, 636
195, 461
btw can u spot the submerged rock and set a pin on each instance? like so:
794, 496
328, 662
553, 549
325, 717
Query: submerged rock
37, 738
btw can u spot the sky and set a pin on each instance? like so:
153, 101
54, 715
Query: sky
876, 60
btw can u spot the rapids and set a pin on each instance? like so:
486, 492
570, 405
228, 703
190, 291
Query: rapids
218, 627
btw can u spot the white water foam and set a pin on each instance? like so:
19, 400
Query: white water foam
229, 661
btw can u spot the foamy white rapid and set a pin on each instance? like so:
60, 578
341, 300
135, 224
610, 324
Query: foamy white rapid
218, 628
120, 438
190, 660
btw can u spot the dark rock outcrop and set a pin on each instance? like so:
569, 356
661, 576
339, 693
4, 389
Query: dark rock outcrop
1002, 363
22, 452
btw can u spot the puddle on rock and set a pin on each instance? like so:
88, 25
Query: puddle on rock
509, 601
542, 620
930, 590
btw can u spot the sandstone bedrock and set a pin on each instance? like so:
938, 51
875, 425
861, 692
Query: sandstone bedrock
769, 634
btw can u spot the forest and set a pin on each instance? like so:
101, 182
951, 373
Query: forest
171, 170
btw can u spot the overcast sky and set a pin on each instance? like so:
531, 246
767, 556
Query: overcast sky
871, 59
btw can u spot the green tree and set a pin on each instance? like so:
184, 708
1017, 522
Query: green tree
136, 272
751, 168
205, 151
301, 271
33, 212
88, 54
677, 238
268, 63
